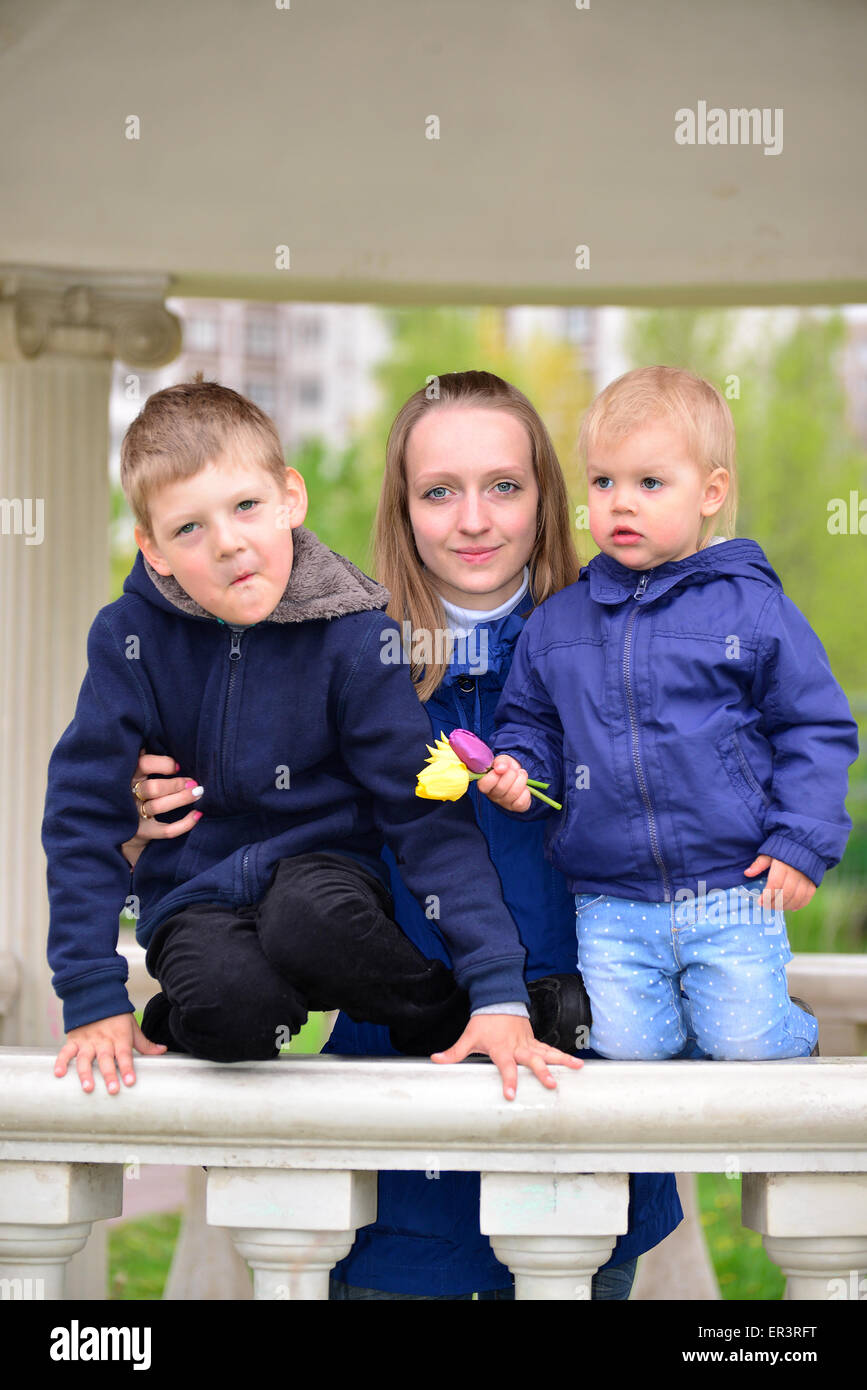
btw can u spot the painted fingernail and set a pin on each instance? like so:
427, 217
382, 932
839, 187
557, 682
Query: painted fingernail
191, 786
197, 815
177, 767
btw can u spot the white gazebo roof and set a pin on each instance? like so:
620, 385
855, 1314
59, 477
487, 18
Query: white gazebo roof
309, 127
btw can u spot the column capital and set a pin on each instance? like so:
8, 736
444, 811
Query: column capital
86, 313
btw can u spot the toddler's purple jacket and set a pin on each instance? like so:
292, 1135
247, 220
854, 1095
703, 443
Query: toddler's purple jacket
687, 718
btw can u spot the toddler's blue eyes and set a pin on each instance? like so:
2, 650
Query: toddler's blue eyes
599, 483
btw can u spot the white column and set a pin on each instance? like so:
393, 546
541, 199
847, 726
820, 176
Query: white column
291, 1225
554, 1230
814, 1226
46, 1214
206, 1263
59, 333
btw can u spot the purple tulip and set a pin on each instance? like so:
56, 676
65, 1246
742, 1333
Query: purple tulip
473, 753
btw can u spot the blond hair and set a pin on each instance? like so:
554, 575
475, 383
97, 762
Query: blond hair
689, 403
181, 429
553, 561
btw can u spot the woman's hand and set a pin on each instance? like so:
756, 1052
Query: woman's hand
156, 796
509, 1042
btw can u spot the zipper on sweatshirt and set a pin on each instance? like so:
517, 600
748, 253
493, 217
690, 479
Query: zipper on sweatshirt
234, 660
636, 756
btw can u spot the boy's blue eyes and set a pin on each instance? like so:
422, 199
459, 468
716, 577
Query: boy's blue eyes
441, 488
247, 503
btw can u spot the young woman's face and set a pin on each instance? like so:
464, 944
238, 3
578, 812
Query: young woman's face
473, 499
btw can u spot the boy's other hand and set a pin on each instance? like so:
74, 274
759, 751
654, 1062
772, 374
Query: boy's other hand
105, 1040
786, 890
163, 793
506, 785
509, 1042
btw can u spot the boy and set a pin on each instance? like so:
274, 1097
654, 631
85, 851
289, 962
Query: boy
696, 733
246, 649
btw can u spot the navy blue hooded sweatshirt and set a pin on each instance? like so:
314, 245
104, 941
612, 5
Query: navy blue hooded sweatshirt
305, 734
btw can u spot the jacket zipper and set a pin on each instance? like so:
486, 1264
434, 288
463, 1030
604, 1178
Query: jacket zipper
642, 783
234, 658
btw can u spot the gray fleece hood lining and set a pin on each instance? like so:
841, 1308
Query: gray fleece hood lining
322, 584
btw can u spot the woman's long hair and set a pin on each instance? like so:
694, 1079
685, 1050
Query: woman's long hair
553, 561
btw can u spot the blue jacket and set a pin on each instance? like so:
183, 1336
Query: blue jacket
426, 1239
687, 719
305, 738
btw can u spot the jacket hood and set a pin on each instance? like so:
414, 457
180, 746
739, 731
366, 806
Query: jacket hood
322, 584
611, 582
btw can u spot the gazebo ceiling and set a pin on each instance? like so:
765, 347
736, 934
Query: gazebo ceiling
308, 127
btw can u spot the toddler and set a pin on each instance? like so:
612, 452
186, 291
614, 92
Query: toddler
685, 714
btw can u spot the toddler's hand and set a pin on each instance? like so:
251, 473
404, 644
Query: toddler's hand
509, 1042
786, 890
506, 785
105, 1039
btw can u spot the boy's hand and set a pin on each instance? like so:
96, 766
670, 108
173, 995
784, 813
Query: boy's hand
508, 1041
106, 1039
506, 785
787, 889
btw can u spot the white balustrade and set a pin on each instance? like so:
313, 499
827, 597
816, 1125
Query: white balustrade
292, 1147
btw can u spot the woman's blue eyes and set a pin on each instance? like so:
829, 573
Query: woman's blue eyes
656, 483
440, 488
185, 531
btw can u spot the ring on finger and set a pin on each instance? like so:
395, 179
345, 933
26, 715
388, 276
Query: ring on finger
135, 789
145, 815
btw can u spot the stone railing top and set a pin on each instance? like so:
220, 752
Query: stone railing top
803, 1115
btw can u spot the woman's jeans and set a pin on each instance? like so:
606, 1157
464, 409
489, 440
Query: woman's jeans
726, 951
612, 1283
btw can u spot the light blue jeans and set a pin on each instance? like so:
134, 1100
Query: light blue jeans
727, 952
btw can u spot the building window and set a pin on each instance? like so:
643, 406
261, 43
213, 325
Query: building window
260, 338
263, 394
309, 331
201, 335
578, 325
308, 390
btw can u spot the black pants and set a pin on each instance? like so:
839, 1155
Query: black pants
236, 981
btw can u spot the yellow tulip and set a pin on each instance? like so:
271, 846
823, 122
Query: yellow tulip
445, 778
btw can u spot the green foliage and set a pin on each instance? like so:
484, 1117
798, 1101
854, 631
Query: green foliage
742, 1268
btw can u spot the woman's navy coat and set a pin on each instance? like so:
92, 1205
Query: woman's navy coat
427, 1239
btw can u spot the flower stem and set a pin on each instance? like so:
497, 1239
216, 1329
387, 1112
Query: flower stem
542, 797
